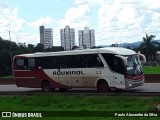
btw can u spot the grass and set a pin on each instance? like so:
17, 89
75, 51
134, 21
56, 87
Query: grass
151, 70
82, 103
9, 76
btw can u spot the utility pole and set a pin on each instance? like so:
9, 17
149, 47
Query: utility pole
10, 50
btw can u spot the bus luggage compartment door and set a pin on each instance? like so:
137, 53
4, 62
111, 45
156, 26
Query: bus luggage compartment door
64, 77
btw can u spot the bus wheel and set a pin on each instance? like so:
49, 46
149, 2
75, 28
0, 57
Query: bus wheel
103, 86
46, 86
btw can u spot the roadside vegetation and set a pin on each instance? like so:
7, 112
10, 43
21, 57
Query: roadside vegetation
151, 70
56, 102
9, 76
8, 49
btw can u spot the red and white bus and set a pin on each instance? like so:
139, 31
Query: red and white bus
101, 68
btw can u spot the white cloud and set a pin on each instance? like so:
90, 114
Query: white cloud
43, 21
28, 38
10, 22
3, 4
126, 21
89, 2
118, 20
76, 16
79, 15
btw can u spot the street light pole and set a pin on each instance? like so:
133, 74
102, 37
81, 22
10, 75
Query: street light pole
10, 50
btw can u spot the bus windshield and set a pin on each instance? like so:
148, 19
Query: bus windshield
134, 67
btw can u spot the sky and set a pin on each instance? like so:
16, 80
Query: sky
114, 21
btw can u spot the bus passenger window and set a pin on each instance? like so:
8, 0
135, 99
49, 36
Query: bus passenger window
31, 63
76, 61
21, 64
92, 60
38, 63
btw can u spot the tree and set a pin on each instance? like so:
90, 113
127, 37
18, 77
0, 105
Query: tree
48, 50
30, 48
147, 47
75, 47
39, 48
57, 48
5, 63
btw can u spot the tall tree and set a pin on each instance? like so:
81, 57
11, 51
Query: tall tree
147, 47
31, 48
39, 48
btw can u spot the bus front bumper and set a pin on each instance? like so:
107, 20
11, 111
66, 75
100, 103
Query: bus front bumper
133, 83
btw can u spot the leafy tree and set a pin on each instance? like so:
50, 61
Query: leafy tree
39, 48
75, 47
57, 48
48, 50
5, 63
8, 49
148, 48
30, 48
94, 47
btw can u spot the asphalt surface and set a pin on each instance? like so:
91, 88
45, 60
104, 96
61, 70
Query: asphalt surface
146, 88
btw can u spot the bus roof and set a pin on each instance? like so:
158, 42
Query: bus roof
111, 50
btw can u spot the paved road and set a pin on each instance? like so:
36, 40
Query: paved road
148, 87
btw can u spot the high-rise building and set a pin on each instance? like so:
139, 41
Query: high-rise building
67, 38
86, 38
46, 37
41, 30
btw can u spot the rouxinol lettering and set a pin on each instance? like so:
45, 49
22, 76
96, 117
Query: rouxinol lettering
68, 73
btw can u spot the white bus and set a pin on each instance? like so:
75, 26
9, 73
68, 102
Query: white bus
102, 68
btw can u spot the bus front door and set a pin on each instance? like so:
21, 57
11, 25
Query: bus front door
118, 80
118, 73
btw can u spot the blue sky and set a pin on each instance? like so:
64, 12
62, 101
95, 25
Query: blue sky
114, 21
31, 10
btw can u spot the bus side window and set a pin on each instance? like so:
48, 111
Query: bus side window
46, 62
31, 63
92, 60
109, 59
38, 63
21, 64
76, 61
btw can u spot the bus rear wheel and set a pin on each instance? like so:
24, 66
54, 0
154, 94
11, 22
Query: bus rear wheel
103, 86
46, 86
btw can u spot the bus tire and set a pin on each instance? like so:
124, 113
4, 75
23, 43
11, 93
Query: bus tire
46, 86
103, 86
